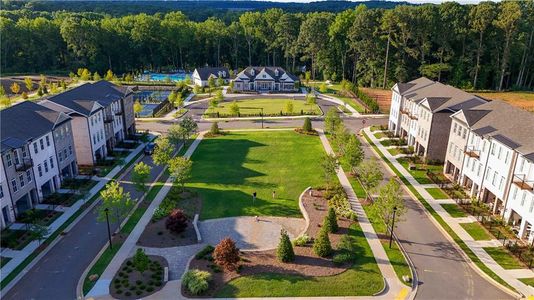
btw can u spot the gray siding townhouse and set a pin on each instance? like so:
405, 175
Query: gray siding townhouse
266, 79
202, 75
37, 154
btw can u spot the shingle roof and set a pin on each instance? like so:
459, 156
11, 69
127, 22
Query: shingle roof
25, 121
444, 97
413, 85
269, 70
217, 72
510, 125
82, 98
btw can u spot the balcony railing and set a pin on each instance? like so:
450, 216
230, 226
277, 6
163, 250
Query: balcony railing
472, 152
118, 113
413, 116
108, 118
24, 165
523, 183
404, 111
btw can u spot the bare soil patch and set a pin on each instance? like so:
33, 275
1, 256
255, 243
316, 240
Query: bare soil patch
382, 97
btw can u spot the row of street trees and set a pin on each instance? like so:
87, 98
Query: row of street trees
488, 45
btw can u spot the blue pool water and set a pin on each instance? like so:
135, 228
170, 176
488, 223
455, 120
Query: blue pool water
162, 77
148, 110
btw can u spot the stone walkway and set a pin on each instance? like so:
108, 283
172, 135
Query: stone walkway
509, 276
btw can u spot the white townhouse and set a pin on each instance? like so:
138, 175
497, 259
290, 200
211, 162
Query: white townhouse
266, 79
202, 75
491, 153
421, 112
6, 204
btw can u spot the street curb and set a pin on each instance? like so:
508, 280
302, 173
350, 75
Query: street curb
446, 234
415, 278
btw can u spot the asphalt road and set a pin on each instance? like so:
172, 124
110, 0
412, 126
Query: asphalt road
56, 275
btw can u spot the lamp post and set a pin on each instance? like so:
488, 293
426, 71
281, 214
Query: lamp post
109, 230
392, 226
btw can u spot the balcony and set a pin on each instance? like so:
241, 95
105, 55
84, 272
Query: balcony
413, 116
108, 118
521, 181
472, 152
118, 113
24, 165
405, 111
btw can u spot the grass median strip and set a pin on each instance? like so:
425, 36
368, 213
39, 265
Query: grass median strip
437, 193
454, 210
527, 281
476, 231
504, 258
438, 218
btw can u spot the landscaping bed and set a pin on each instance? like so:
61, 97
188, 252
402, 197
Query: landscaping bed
127, 145
129, 283
156, 233
15, 239
262, 274
63, 199
78, 183
4, 260
41, 216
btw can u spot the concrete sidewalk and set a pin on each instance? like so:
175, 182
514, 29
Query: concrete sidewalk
394, 287
509, 276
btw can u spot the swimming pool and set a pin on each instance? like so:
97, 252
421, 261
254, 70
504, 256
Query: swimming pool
163, 76
148, 110
151, 96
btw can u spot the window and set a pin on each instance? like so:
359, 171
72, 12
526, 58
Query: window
46, 166
473, 167
21, 179
94, 139
40, 170
29, 175
494, 180
499, 154
51, 162
14, 185
488, 174
8, 159
47, 141
24, 154
506, 157
16, 155
35, 148
65, 153
501, 182
1, 192
464, 134
523, 198
454, 128
492, 150
42, 144
531, 205
60, 156
514, 193
468, 162
479, 169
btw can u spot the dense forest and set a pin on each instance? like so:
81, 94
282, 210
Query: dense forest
484, 46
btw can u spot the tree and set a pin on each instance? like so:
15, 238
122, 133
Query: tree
353, 153
189, 127
329, 165
234, 108
96, 76
180, 169
226, 254
370, 174
214, 130
312, 37
323, 88
330, 221
138, 108
307, 127
172, 98
219, 97
176, 222
63, 85
211, 83
140, 260
24, 95
15, 88
116, 201
284, 251
321, 245
140, 174
39, 232
179, 101
175, 134
163, 151
220, 81
311, 100
28, 83
389, 198
289, 107
332, 120
109, 75
480, 18
507, 20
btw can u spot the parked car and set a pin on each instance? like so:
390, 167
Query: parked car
149, 148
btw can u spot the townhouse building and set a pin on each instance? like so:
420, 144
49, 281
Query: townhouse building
266, 79
491, 154
37, 154
420, 113
102, 116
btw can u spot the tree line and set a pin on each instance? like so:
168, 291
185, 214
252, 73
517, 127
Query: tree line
484, 46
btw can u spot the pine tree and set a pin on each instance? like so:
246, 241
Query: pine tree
140, 260
330, 221
215, 128
307, 127
321, 245
284, 252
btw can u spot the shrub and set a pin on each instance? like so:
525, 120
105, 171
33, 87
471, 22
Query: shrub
307, 127
343, 257
176, 221
149, 289
127, 294
215, 128
208, 250
330, 221
302, 240
196, 281
226, 254
140, 261
322, 246
284, 252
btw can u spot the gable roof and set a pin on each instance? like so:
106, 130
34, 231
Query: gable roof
205, 72
413, 85
442, 97
82, 98
26, 121
271, 71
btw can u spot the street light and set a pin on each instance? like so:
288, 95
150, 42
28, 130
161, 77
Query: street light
392, 226
106, 210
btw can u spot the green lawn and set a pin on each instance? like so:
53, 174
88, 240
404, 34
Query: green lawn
271, 107
476, 231
362, 279
504, 258
229, 168
419, 173
527, 281
454, 210
380, 135
437, 193
394, 151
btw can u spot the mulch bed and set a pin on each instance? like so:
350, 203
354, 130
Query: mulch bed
306, 263
138, 284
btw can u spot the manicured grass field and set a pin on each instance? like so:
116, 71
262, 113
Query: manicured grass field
504, 258
362, 279
380, 135
476, 231
527, 281
394, 151
437, 193
419, 173
229, 168
271, 106
454, 210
